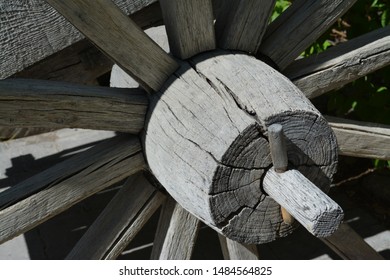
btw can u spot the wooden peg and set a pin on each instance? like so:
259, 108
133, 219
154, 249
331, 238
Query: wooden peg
279, 158
296, 194
278, 147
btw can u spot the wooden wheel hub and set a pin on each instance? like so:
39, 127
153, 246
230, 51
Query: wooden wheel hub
206, 141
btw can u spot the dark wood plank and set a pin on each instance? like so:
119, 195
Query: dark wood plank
39, 103
241, 24
120, 38
233, 250
189, 25
298, 27
350, 246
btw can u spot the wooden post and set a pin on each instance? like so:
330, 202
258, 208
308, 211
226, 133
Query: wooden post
206, 142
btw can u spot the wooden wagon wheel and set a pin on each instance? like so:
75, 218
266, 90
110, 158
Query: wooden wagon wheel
225, 134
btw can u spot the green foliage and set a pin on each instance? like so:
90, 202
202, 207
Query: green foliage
280, 7
367, 99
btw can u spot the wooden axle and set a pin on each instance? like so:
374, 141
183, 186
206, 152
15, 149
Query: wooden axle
310, 206
318, 213
207, 142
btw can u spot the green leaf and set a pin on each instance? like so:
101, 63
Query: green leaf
385, 18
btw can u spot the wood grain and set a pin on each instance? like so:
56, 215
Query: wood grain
55, 146
241, 24
233, 250
32, 31
209, 124
189, 25
278, 149
82, 62
341, 64
61, 186
298, 27
39, 103
176, 233
361, 139
120, 38
120, 78
346, 243
311, 207
117, 218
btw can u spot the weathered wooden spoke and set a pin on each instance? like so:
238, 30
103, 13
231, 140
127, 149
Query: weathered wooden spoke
299, 26
49, 33
176, 233
120, 38
360, 139
240, 25
350, 246
189, 25
132, 206
342, 64
38, 103
47, 194
233, 250
81, 62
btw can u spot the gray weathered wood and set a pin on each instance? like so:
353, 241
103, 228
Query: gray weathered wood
241, 24
39, 147
210, 127
31, 30
116, 219
361, 139
137, 224
63, 185
81, 62
120, 38
176, 233
120, 78
189, 26
311, 207
298, 27
349, 245
278, 148
10, 133
233, 250
341, 64
38, 103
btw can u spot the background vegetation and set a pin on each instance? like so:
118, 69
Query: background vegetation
367, 99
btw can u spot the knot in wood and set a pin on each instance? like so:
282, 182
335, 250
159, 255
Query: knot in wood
206, 141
